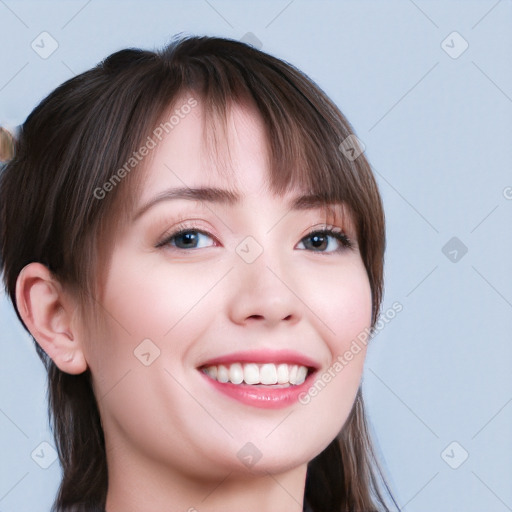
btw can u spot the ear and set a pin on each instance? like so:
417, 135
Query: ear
47, 311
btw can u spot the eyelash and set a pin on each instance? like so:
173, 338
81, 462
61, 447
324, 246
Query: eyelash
327, 230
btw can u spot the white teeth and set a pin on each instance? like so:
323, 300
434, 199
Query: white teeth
251, 374
302, 373
293, 374
282, 375
236, 373
222, 374
268, 374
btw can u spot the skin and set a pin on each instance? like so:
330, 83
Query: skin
172, 439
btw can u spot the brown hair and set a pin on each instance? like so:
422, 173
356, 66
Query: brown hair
6, 145
86, 130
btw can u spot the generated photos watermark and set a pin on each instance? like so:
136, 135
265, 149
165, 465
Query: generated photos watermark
355, 348
151, 143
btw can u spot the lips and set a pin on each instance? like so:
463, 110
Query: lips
262, 379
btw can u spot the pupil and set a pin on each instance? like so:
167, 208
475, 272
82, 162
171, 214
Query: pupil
318, 241
188, 238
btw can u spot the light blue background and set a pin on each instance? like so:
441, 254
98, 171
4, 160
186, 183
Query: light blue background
438, 132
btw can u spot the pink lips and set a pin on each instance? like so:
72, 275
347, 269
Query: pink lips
267, 356
266, 397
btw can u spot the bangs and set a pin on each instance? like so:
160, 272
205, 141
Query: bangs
303, 128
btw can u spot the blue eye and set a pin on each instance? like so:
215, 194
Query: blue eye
187, 239
325, 240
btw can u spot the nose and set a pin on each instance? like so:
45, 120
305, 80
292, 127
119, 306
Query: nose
261, 293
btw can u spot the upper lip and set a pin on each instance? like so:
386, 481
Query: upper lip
262, 357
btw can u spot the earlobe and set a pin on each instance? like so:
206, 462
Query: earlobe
47, 311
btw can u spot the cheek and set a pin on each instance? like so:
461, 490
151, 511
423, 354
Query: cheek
154, 308
151, 302
343, 307
342, 304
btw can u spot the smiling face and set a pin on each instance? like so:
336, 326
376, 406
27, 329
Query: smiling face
209, 287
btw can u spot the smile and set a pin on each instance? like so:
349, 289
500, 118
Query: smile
255, 374
264, 379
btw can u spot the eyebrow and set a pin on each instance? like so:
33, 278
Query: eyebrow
224, 196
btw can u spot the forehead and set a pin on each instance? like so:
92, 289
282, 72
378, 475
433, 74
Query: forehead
206, 151
219, 163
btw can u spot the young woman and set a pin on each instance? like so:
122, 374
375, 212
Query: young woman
196, 245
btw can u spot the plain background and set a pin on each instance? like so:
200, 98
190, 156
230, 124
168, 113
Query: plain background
436, 123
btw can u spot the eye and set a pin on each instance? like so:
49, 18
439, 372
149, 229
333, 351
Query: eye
187, 239
325, 240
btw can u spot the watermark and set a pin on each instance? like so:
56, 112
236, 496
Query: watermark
454, 45
454, 249
146, 352
507, 192
44, 455
249, 249
151, 142
454, 455
250, 38
355, 348
352, 147
44, 45
249, 454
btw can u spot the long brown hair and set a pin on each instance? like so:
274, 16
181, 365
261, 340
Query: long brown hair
85, 131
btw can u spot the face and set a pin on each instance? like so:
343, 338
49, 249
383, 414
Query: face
217, 309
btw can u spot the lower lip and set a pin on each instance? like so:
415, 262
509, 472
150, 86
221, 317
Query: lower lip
265, 398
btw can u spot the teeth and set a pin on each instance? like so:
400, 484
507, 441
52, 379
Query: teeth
282, 374
236, 373
212, 372
293, 374
222, 374
253, 374
302, 373
268, 374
